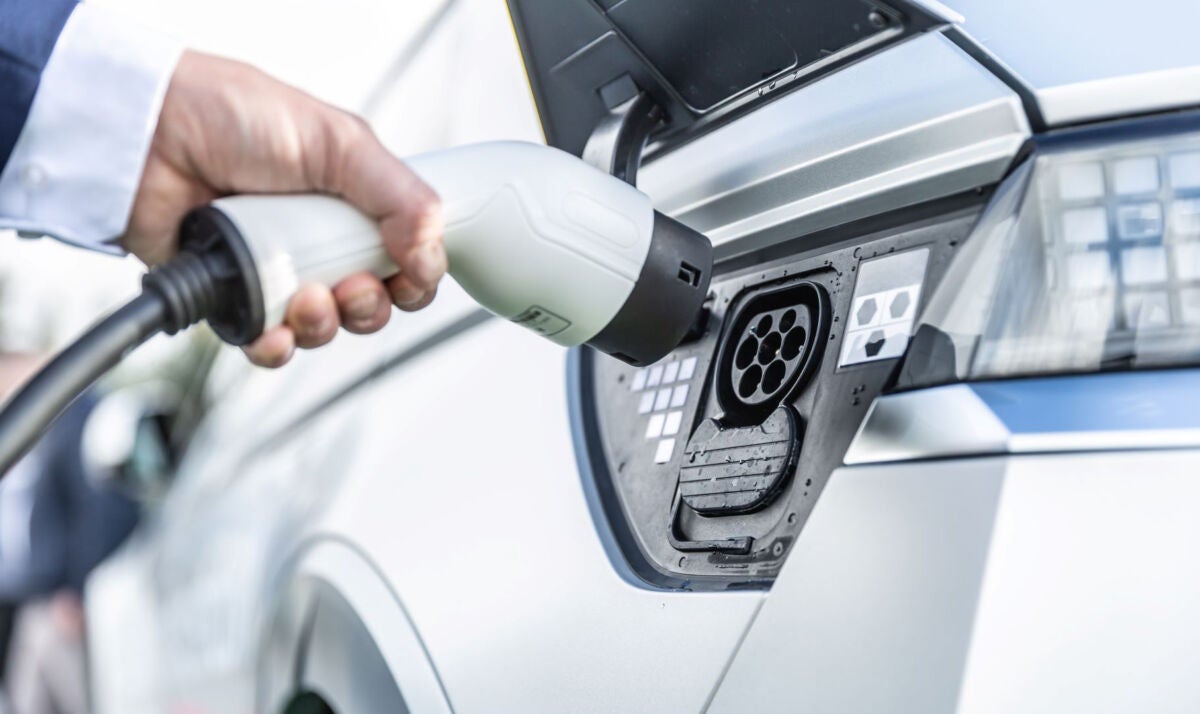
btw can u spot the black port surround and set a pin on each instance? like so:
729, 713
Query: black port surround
771, 345
634, 482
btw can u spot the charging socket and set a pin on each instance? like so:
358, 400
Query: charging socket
772, 345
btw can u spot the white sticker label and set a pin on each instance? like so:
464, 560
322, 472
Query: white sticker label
884, 307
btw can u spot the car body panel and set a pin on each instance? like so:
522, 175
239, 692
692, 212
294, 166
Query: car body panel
519, 613
443, 456
1084, 61
1034, 583
341, 630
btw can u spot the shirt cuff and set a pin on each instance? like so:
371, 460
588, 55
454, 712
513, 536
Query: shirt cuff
75, 169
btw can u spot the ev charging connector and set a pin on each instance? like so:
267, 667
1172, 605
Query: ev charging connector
533, 234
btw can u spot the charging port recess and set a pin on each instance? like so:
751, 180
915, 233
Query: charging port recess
708, 464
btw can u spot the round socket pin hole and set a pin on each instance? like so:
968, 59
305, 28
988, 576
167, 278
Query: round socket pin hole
794, 342
788, 319
769, 349
746, 352
763, 326
750, 380
774, 375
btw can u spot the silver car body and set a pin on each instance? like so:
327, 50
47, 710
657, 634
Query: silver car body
401, 522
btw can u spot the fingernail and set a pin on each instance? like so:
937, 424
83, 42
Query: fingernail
430, 264
316, 326
285, 357
362, 306
414, 301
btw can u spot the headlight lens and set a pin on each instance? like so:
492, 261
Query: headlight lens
1088, 258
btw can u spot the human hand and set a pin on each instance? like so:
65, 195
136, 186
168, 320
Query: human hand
67, 613
225, 128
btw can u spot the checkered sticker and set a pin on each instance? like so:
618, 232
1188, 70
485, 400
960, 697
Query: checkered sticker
663, 390
884, 307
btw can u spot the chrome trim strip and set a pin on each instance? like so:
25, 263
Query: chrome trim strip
1095, 412
919, 121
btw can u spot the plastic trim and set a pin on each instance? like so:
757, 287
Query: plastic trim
603, 502
666, 297
568, 117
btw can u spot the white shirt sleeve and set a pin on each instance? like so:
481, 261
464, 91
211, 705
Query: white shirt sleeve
75, 168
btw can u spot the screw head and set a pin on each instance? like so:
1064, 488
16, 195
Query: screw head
877, 19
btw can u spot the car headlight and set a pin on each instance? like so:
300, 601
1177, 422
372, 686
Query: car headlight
1087, 259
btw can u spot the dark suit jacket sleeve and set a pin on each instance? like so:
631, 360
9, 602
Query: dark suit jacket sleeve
28, 31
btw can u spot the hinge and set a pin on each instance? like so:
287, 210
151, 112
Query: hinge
616, 144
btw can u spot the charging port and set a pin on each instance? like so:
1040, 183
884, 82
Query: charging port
770, 349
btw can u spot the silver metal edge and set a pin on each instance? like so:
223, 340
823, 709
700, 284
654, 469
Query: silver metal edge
841, 149
930, 423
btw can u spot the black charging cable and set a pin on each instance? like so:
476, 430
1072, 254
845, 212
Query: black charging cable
212, 278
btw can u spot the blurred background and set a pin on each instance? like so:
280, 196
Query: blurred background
425, 74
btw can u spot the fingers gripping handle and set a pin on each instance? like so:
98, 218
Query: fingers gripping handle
296, 240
